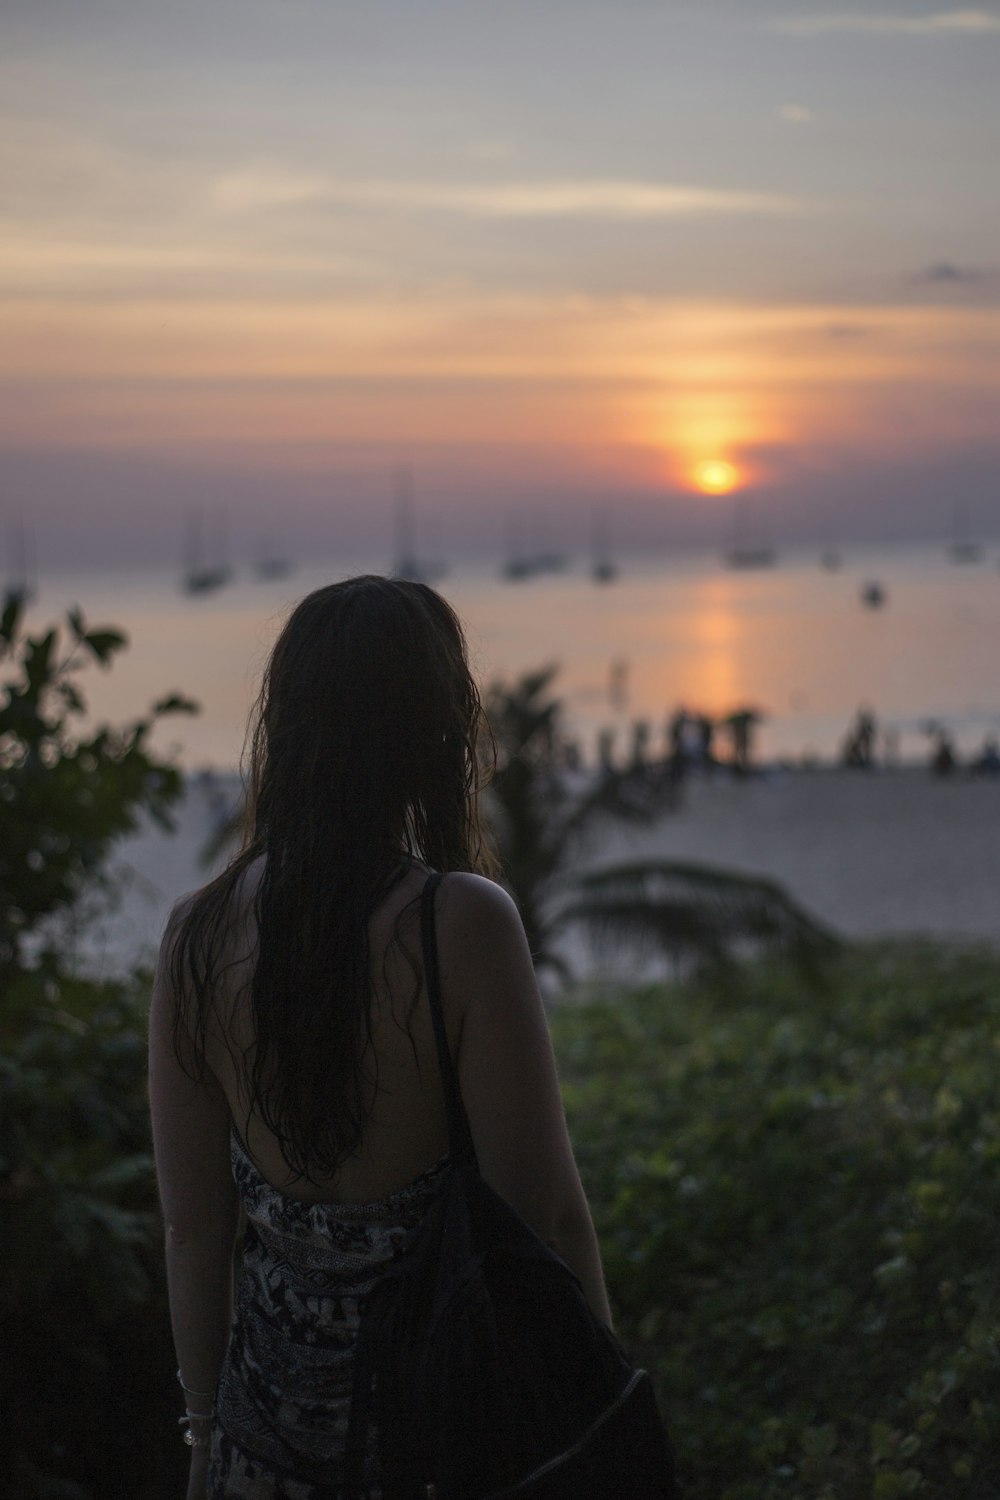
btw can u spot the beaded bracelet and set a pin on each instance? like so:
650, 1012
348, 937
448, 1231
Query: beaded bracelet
193, 1438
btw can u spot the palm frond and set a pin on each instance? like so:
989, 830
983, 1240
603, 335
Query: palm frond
695, 910
635, 794
524, 718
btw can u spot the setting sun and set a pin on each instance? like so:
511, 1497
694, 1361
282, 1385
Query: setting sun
716, 476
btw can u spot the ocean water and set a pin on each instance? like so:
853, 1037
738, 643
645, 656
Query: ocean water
793, 641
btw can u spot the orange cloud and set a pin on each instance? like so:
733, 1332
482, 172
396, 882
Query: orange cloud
692, 381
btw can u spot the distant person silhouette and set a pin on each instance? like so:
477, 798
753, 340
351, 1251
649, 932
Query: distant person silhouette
741, 724
705, 729
677, 742
640, 744
988, 763
859, 746
943, 759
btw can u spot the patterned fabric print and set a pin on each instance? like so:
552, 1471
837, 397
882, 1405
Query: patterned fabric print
284, 1396
235, 1473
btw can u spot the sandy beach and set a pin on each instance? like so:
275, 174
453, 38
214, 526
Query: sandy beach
871, 853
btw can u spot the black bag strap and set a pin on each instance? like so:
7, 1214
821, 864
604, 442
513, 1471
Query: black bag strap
459, 1135
463, 1157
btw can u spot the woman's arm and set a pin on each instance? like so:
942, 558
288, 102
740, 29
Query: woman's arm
507, 1073
200, 1205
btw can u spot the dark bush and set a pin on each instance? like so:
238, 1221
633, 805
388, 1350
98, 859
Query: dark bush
798, 1196
88, 1393
85, 1378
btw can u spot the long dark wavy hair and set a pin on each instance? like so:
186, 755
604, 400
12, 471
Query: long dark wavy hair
364, 749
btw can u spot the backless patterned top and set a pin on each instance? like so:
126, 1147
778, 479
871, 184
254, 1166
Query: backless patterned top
284, 1394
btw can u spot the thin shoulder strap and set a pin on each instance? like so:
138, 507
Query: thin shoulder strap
459, 1135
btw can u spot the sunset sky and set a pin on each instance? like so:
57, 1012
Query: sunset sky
552, 255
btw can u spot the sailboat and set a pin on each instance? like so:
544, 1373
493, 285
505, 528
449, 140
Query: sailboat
744, 553
518, 567
963, 548
527, 562
202, 576
408, 564
22, 585
831, 557
519, 564
272, 565
603, 568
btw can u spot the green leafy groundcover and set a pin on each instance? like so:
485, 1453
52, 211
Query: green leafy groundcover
86, 1379
798, 1198
86, 1396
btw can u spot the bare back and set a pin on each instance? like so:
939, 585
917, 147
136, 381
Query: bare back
405, 1131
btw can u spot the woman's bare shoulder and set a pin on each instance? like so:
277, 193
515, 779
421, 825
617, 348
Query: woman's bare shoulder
481, 940
474, 900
